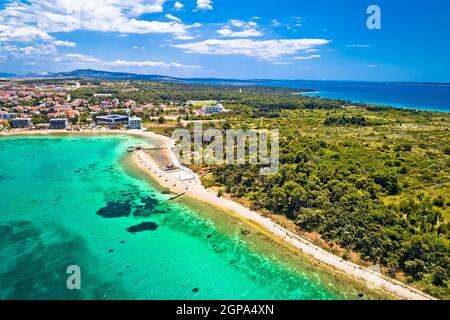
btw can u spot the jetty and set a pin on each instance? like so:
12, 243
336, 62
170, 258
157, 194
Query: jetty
177, 196
144, 148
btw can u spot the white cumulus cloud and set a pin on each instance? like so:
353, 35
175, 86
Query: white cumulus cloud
358, 46
178, 5
240, 29
149, 64
184, 37
265, 49
173, 18
314, 56
204, 5
93, 62
37, 19
30, 55
61, 43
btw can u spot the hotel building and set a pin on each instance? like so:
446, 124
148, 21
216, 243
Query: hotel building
134, 123
59, 123
112, 120
21, 123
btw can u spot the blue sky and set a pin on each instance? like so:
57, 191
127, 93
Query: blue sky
278, 39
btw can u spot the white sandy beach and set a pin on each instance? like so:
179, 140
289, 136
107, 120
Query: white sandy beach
194, 189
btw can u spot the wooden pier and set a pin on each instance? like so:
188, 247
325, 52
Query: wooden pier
144, 148
177, 196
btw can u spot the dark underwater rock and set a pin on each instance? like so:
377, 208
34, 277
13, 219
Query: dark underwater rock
115, 209
149, 202
144, 226
24, 223
141, 212
148, 207
5, 230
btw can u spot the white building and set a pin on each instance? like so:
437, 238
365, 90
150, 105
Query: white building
218, 108
96, 95
134, 123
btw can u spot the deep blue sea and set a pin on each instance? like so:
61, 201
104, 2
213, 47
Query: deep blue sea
422, 96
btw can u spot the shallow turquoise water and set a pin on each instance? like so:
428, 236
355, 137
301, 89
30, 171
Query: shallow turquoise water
54, 191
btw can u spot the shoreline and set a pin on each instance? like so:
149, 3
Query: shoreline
194, 189
262, 241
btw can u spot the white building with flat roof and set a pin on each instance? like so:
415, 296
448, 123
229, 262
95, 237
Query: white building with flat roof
218, 108
96, 95
134, 123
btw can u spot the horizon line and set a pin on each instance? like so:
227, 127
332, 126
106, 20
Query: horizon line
48, 75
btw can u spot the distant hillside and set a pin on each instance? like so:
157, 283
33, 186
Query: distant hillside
7, 75
96, 74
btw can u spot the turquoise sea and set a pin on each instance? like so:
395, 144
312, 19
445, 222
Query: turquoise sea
70, 200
